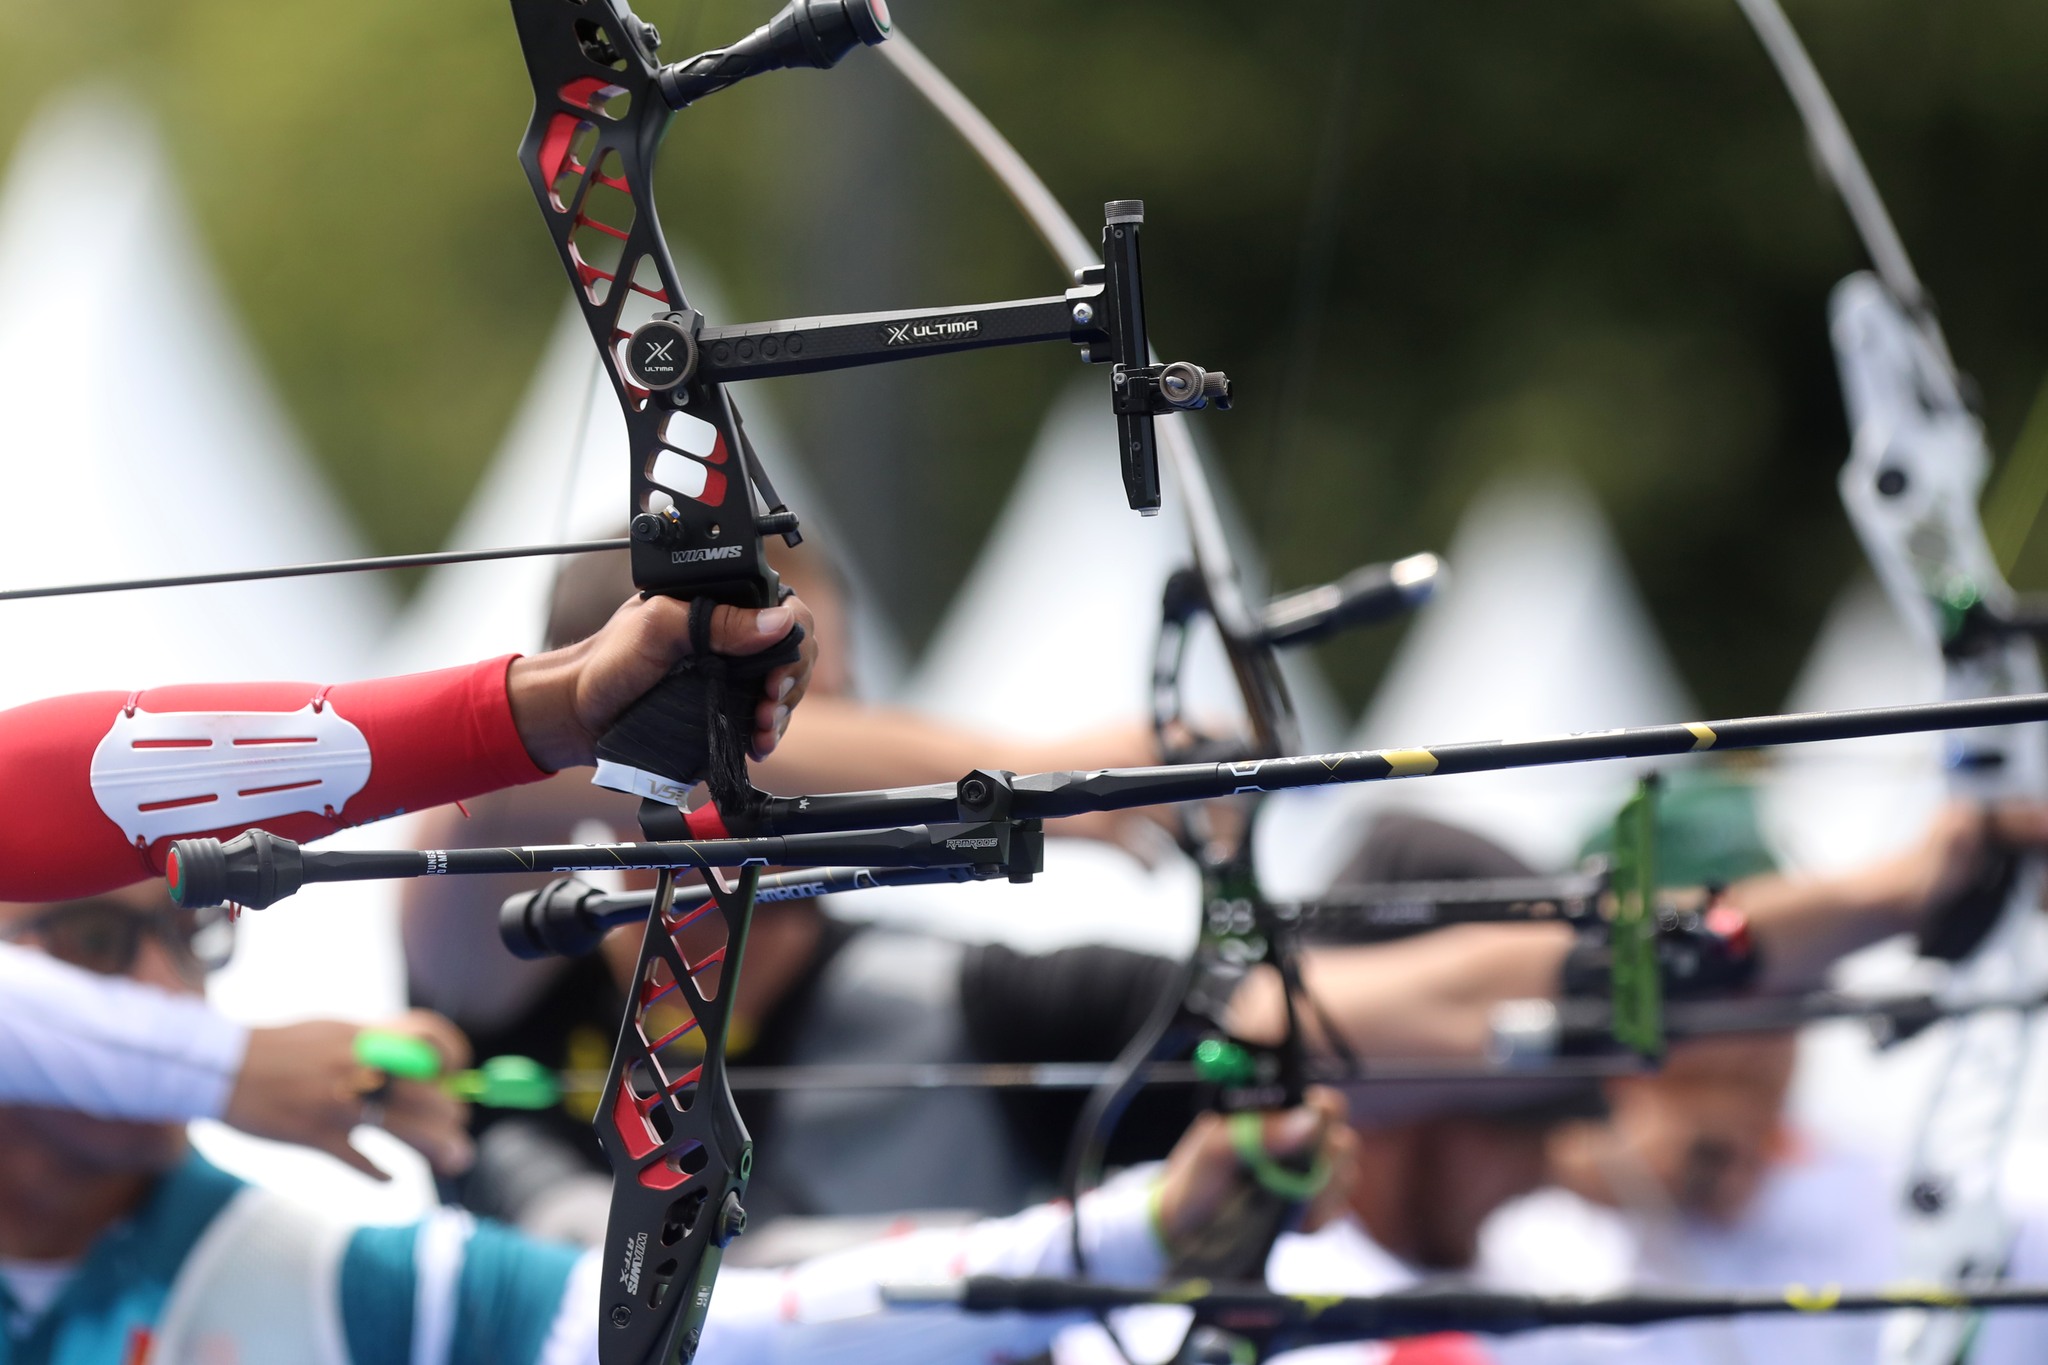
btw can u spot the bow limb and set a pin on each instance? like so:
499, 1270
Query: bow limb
1911, 485
679, 1151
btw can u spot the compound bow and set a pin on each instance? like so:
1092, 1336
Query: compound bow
1912, 488
700, 505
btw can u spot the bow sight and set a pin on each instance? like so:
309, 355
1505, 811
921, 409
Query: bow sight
1103, 314
601, 105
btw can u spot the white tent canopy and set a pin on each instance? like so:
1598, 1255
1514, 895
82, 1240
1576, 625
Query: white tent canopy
141, 437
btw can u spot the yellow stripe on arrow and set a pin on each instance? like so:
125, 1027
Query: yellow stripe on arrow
1813, 1300
1410, 762
1703, 736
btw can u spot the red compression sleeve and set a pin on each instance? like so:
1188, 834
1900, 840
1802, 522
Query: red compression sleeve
433, 738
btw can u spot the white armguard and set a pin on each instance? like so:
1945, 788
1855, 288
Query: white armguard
157, 775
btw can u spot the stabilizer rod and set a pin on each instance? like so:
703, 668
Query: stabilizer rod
916, 826
1047, 796
1302, 1320
258, 869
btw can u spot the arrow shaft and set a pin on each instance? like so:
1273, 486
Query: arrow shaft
1052, 795
1299, 1320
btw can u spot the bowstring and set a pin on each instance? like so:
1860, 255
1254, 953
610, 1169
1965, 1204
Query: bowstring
1835, 148
572, 476
1315, 262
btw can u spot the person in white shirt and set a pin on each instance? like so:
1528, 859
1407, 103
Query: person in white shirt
73, 1037
1435, 1164
118, 1244
1698, 1180
1698, 1177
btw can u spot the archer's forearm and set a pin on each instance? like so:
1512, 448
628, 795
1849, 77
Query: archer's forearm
1428, 996
828, 1310
838, 744
97, 785
1803, 925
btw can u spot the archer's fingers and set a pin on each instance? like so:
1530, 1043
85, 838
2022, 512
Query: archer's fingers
2020, 824
1199, 1174
1333, 1201
431, 1122
746, 630
344, 1151
436, 1030
1294, 1132
1330, 1102
659, 626
783, 688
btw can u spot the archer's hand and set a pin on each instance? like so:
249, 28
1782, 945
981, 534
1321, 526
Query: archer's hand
1946, 858
564, 699
1957, 881
301, 1083
1934, 887
1205, 1172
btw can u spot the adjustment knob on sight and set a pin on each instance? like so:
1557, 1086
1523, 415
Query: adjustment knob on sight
1189, 386
662, 354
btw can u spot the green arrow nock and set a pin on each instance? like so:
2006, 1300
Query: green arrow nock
1222, 1062
508, 1083
500, 1083
398, 1054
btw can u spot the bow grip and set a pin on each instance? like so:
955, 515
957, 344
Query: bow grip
1235, 1244
694, 724
1960, 922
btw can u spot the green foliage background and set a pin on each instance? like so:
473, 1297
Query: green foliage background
1431, 242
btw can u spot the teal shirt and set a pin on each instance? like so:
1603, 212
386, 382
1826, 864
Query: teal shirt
506, 1293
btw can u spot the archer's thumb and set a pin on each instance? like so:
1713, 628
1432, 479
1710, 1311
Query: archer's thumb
1293, 1132
739, 630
